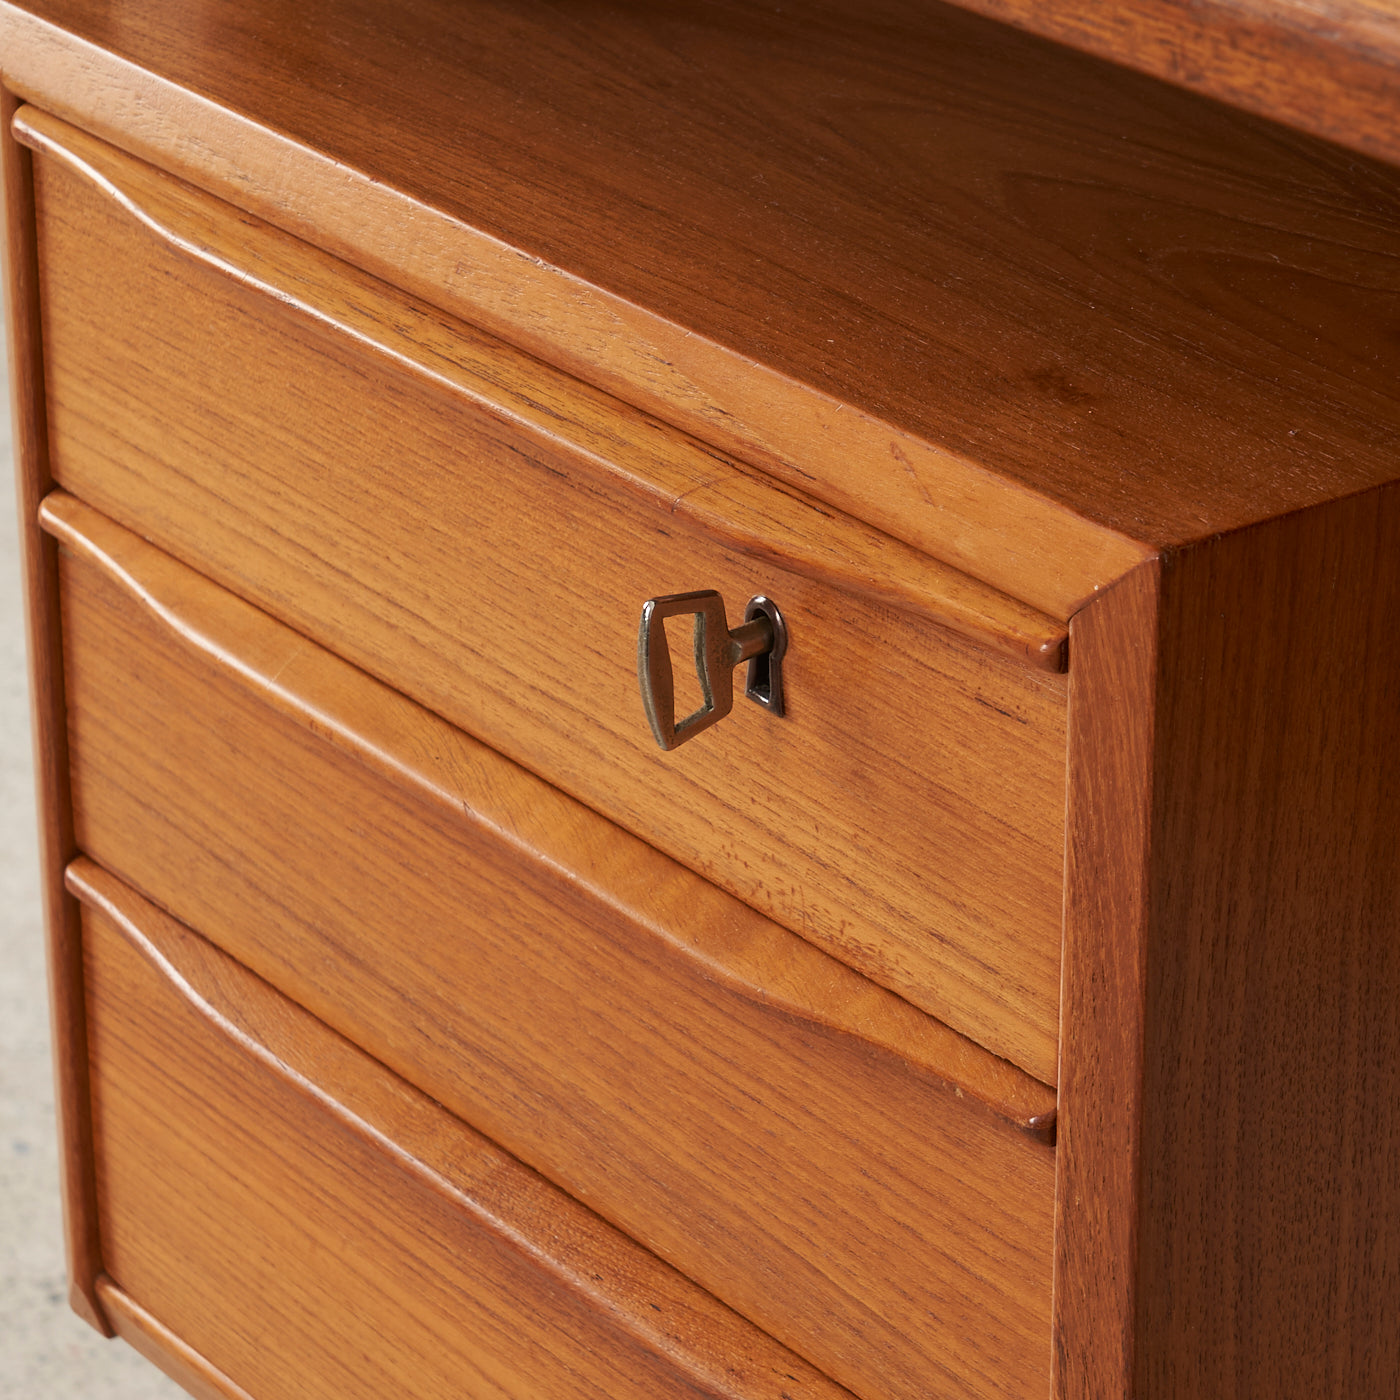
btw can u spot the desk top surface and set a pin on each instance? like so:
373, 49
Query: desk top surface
1331, 67
1142, 316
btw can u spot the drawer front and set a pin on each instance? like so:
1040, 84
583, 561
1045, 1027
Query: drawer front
860, 1181
462, 523
313, 1227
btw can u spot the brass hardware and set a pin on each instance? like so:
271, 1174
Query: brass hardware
764, 684
761, 641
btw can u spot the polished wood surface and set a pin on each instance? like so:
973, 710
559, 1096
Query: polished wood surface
494, 573
1085, 302
1330, 67
1116, 357
928, 492
158, 1344
378, 1245
224, 647
1229, 1181
1099, 1160
679, 482
55, 814
772, 1124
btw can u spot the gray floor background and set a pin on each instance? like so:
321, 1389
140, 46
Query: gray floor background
45, 1352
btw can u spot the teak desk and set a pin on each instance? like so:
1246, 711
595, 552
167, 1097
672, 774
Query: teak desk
1014, 1014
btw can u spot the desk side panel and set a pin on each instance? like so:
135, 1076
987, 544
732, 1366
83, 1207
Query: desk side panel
1229, 1186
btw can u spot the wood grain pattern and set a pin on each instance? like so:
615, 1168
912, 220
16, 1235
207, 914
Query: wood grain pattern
159, 1345
1072, 331
679, 481
1107, 873
769, 1122
1229, 1181
489, 570
1082, 295
939, 498
313, 1226
55, 814
1329, 67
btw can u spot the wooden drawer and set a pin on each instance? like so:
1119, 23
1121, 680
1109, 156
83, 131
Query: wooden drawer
770, 1122
1126, 353
481, 532
312, 1226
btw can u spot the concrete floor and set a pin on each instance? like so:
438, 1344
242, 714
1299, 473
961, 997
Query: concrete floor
45, 1352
